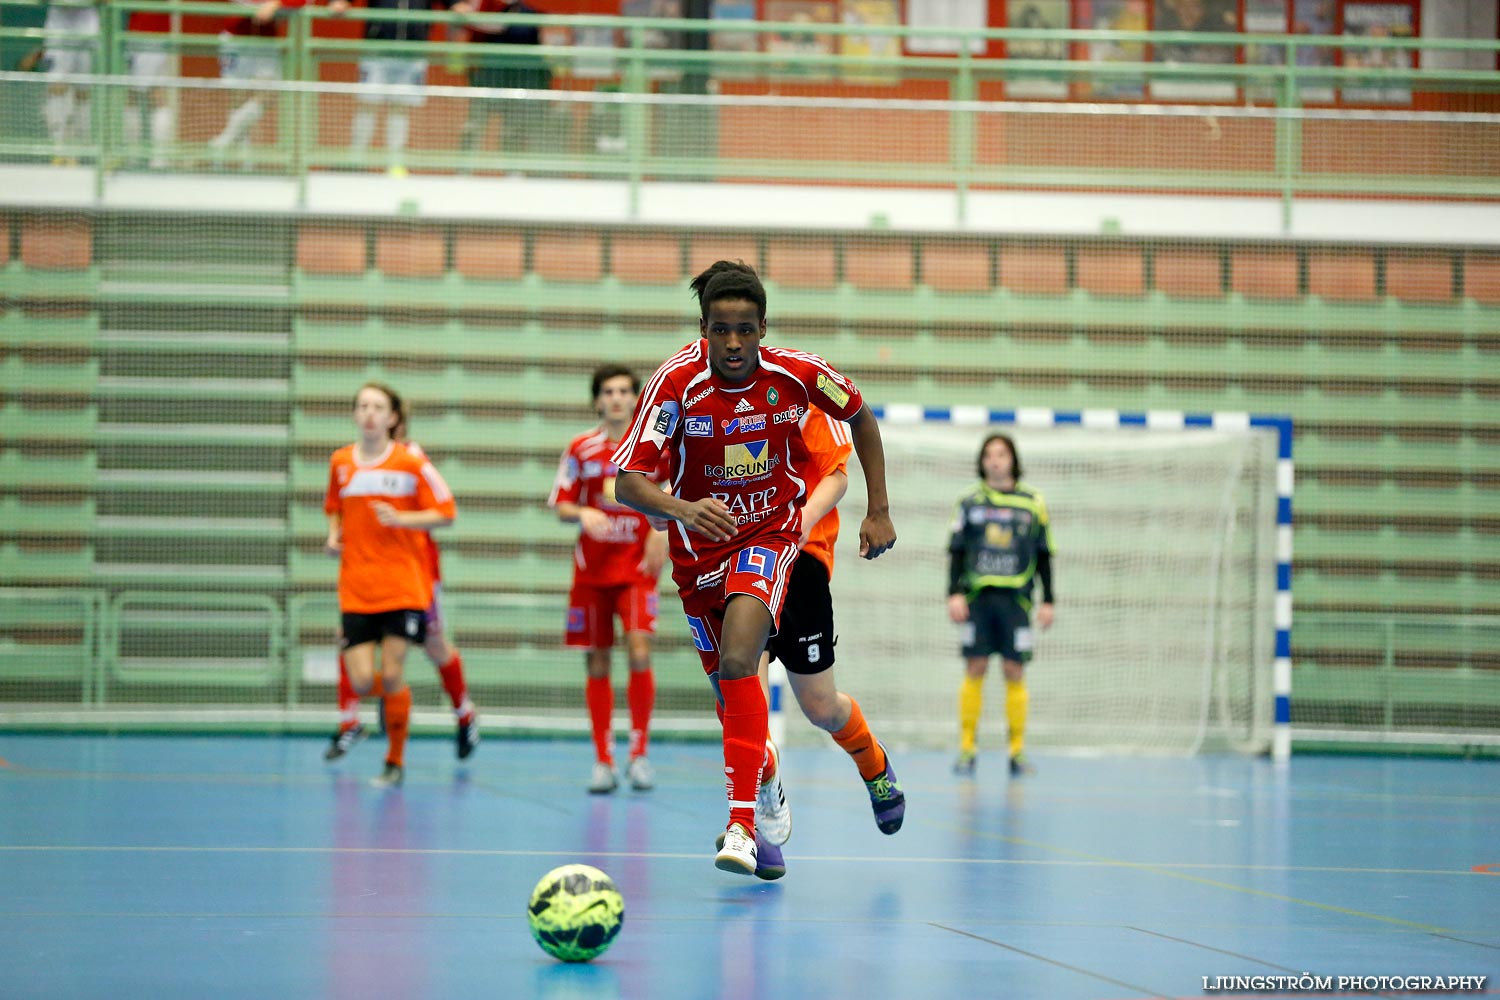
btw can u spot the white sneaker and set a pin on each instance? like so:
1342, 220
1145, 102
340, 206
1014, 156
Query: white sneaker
605, 780
773, 816
738, 853
641, 774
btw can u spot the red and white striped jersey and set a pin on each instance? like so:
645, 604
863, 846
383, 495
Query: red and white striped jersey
586, 476
738, 441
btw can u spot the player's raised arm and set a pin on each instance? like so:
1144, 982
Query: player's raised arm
876, 532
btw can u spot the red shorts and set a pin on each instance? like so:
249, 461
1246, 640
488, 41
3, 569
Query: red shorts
762, 571
592, 612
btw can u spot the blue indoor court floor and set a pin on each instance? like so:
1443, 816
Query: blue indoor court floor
244, 867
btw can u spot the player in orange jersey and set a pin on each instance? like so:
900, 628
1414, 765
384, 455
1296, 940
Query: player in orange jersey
615, 567
444, 656
382, 500
805, 641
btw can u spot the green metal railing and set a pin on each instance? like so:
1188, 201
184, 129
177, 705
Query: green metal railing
668, 118
1465, 146
1274, 76
1359, 677
1382, 676
36, 626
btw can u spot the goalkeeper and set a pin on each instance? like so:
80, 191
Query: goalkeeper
1001, 541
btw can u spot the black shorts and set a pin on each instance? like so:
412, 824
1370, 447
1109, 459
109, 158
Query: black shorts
804, 642
998, 623
406, 623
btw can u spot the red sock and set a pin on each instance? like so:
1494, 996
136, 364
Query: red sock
601, 701
452, 674
377, 689
641, 694
745, 719
397, 718
348, 700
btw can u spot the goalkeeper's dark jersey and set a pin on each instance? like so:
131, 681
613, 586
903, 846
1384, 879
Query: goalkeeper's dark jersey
1001, 534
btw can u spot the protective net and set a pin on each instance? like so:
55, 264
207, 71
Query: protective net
1165, 567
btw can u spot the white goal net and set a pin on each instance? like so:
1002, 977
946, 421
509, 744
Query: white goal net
1165, 570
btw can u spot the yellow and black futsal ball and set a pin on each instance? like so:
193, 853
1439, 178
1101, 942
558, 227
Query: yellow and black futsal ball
575, 912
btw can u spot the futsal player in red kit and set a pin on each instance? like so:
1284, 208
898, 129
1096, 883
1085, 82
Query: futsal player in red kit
725, 410
616, 564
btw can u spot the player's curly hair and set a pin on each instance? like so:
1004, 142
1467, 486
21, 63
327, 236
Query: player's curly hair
729, 279
1015, 456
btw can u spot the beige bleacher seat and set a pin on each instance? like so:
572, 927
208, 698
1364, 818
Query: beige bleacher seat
880, 264
1482, 276
1263, 272
646, 258
1034, 269
950, 265
410, 251
802, 262
572, 255
57, 243
704, 249
331, 249
483, 253
1415, 276
1110, 270
1188, 272
1341, 275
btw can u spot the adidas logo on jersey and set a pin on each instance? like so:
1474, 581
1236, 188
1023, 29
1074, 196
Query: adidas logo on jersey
743, 406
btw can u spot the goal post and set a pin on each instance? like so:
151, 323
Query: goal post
1173, 563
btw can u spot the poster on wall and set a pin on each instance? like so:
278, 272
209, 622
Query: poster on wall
880, 13
1379, 21
1314, 17
970, 15
1264, 17
1201, 16
1036, 14
1115, 15
734, 41
803, 42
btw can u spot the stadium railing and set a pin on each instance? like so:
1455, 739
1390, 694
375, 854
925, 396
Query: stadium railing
885, 119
